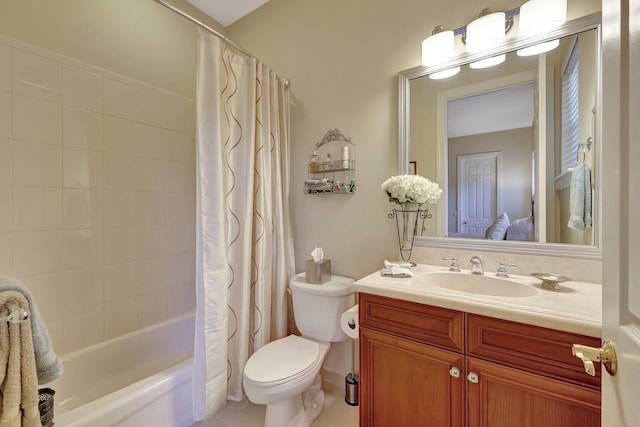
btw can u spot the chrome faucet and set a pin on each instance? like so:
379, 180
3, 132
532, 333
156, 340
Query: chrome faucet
476, 265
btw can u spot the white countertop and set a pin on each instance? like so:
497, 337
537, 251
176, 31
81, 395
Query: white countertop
576, 308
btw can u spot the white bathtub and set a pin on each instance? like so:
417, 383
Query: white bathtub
142, 379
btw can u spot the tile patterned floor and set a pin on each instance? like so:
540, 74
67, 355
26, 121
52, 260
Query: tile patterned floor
245, 414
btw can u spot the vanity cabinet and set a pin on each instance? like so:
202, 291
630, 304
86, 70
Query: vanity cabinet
428, 366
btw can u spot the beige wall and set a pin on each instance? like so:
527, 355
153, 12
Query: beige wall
97, 170
342, 59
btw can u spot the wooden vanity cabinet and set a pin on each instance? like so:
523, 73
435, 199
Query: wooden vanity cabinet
428, 366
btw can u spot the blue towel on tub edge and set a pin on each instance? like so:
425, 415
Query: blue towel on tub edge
48, 364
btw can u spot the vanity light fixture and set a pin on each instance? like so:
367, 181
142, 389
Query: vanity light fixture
539, 16
484, 33
438, 48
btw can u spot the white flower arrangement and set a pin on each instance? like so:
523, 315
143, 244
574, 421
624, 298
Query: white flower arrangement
417, 189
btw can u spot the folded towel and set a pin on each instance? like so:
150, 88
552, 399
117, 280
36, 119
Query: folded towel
580, 198
48, 364
396, 272
18, 378
406, 264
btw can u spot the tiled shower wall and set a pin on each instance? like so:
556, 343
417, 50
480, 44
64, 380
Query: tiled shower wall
97, 195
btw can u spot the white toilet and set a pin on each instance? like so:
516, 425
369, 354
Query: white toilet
285, 374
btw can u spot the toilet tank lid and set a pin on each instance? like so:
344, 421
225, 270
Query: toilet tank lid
334, 287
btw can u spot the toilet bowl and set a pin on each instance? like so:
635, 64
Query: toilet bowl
281, 375
285, 374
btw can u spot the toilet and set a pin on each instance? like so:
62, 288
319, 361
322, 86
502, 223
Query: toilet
285, 374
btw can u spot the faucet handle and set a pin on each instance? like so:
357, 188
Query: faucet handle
502, 269
454, 264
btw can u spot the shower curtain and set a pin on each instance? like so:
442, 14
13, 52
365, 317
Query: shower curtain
244, 249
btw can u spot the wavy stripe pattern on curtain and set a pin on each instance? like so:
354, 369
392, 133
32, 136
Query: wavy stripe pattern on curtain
244, 242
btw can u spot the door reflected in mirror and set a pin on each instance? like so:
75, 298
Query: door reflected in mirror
505, 142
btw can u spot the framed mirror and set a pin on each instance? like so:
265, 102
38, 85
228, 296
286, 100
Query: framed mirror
506, 142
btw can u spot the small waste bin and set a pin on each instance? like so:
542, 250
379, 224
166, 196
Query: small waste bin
45, 406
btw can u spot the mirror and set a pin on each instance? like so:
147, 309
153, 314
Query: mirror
493, 138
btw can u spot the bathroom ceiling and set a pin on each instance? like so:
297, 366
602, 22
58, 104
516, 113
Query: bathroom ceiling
227, 12
494, 111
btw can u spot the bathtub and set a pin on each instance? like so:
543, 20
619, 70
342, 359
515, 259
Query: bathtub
140, 379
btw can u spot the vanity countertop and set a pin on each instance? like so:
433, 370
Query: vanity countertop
576, 307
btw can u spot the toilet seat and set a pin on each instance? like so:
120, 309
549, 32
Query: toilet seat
282, 361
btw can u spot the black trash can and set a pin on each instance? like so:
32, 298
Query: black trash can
46, 406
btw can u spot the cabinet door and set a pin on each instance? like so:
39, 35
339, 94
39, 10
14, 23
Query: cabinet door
507, 397
404, 383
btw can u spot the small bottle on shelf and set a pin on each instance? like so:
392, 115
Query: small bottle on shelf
313, 162
345, 157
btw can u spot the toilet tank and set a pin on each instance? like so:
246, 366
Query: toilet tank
317, 308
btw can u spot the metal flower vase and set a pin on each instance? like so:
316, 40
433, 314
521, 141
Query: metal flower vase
409, 220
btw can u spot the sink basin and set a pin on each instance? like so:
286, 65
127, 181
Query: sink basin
480, 285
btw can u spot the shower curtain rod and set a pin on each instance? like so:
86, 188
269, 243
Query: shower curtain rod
206, 27
214, 32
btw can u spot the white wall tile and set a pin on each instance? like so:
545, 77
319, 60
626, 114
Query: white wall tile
181, 208
37, 252
83, 287
120, 208
120, 99
5, 114
152, 308
152, 208
151, 174
48, 293
5, 161
182, 300
182, 238
121, 317
181, 147
152, 142
82, 88
36, 120
120, 244
36, 76
181, 177
82, 208
83, 168
120, 172
152, 275
37, 165
152, 241
82, 248
37, 208
6, 253
83, 327
120, 135
120, 281
6, 212
82, 129
180, 270
5, 67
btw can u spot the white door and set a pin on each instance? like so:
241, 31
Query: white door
621, 204
478, 192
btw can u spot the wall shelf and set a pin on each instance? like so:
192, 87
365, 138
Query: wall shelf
332, 166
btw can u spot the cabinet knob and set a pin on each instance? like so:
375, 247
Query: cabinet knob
454, 372
605, 354
473, 377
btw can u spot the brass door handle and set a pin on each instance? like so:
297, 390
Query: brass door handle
605, 354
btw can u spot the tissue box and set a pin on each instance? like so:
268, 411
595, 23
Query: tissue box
318, 272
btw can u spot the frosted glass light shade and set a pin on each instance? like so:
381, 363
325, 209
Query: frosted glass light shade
537, 17
438, 48
489, 62
485, 32
444, 73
